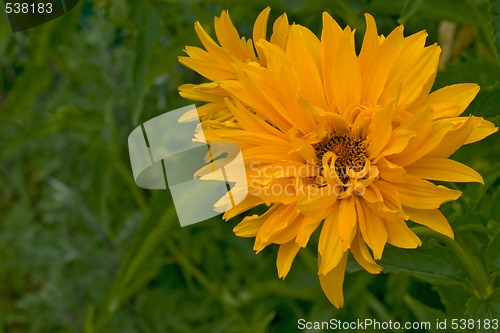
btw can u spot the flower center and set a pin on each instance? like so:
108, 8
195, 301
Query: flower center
350, 152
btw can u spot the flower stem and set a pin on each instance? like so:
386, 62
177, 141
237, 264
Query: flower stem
477, 278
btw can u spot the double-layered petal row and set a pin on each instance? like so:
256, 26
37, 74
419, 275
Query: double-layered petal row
333, 139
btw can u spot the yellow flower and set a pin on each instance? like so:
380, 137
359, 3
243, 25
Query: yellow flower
334, 137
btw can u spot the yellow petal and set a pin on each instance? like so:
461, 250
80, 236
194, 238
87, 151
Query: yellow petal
411, 71
438, 168
207, 110
205, 92
250, 94
380, 131
460, 95
278, 221
375, 72
289, 169
363, 256
247, 203
346, 82
332, 282
286, 234
421, 194
307, 227
482, 129
271, 95
250, 121
370, 44
286, 255
400, 139
279, 191
431, 218
210, 45
372, 194
390, 171
215, 72
347, 221
379, 209
390, 194
400, 235
302, 50
426, 140
329, 121
281, 28
330, 38
316, 203
250, 225
243, 137
329, 246
229, 38
260, 29
303, 148
272, 153
454, 139
372, 229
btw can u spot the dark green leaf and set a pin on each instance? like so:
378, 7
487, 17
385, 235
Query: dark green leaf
410, 8
432, 262
453, 298
477, 193
487, 102
423, 312
468, 70
147, 24
485, 310
493, 254
140, 257
495, 20
461, 12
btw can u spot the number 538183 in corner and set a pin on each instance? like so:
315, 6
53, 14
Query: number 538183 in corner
480, 324
28, 8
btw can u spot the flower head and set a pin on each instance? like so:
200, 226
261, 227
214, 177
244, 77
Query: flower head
333, 139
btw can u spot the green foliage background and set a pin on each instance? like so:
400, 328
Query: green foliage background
82, 249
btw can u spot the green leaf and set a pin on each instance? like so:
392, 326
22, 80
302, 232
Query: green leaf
136, 269
147, 24
476, 193
487, 102
432, 262
423, 312
495, 20
89, 320
468, 69
493, 254
410, 8
27, 90
453, 298
469, 222
495, 208
458, 11
485, 310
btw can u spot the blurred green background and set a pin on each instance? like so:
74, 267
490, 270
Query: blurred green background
83, 249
